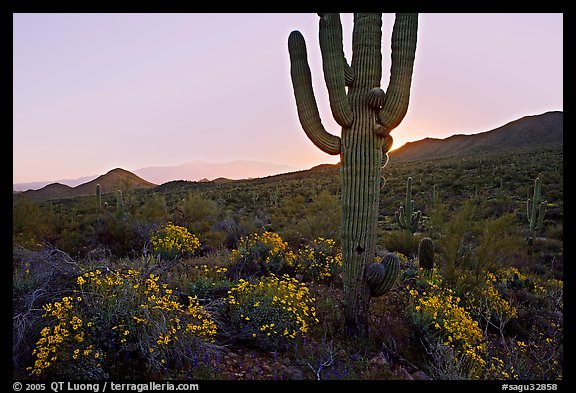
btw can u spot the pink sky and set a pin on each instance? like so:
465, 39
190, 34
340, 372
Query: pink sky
92, 92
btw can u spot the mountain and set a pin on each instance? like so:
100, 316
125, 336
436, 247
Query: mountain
39, 184
543, 129
116, 179
197, 170
527, 131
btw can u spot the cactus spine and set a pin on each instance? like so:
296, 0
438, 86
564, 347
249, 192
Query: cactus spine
536, 208
426, 253
406, 217
366, 115
382, 276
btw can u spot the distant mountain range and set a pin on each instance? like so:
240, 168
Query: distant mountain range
116, 179
544, 129
527, 131
192, 171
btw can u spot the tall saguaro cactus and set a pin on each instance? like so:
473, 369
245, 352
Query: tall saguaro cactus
367, 115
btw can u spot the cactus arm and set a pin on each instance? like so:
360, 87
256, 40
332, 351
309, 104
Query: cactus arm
305, 100
400, 219
409, 200
334, 65
387, 144
541, 212
415, 220
404, 37
382, 276
348, 74
530, 214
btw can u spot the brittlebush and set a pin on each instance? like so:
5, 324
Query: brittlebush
119, 324
272, 311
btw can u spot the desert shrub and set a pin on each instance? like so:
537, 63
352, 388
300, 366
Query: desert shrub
38, 277
447, 325
152, 209
489, 305
173, 241
401, 241
120, 324
301, 217
320, 260
118, 234
208, 281
30, 223
199, 214
259, 254
271, 312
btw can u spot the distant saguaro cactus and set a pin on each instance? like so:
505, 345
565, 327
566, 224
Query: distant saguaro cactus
536, 208
406, 217
426, 253
119, 201
98, 196
367, 115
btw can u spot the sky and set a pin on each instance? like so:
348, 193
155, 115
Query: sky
97, 91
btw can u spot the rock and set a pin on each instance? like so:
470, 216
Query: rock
266, 368
378, 361
403, 374
420, 376
294, 374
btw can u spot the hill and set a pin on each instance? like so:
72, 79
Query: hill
116, 179
527, 131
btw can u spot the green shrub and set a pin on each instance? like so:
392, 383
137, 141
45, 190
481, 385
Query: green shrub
208, 281
401, 241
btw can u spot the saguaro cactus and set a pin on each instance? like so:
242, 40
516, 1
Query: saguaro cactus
98, 196
406, 217
367, 115
426, 253
536, 208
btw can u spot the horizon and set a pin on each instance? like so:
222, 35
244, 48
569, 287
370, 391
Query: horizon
146, 93
262, 170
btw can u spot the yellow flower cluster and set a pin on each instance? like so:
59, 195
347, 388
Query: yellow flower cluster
509, 274
159, 297
172, 241
498, 370
438, 307
319, 260
68, 328
273, 308
126, 308
271, 242
212, 273
489, 303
